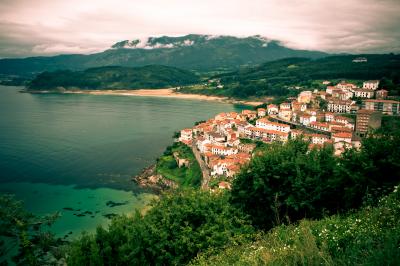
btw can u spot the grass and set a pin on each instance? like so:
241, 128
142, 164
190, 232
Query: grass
370, 236
184, 176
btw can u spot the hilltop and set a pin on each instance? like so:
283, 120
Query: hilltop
280, 77
113, 77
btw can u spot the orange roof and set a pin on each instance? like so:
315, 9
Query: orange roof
335, 123
342, 135
319, 124
208, 154
276, 132
341, 129
263, 120
277, 124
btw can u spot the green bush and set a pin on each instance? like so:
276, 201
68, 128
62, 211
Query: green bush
173, 232
288, 182
370, 236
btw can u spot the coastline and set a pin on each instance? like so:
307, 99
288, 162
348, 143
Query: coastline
149, 179
166, 93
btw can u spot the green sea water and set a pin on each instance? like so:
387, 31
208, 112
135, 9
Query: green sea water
79, 152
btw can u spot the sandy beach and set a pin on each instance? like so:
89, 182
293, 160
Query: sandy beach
170, 93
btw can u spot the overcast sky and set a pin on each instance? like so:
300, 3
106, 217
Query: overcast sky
44, 27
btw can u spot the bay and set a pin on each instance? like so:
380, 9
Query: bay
80, 151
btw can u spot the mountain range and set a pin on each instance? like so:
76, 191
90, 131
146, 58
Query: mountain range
192, 52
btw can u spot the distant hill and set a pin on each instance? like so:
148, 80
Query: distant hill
194, 52
276, 78
114, 77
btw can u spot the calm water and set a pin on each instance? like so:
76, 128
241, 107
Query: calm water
80, 151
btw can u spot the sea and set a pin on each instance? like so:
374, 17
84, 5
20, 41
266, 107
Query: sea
76, 154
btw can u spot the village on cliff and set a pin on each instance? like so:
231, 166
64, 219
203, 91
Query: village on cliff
227, 142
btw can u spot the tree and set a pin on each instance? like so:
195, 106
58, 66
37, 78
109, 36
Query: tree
177, 227
289, 182
25, 232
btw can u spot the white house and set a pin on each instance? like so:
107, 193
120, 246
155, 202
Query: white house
318, 138
261, 112
342, 136
214, 137
201, 144
266, 124
186, 135
363, 93
306, 119
284, 106
223, 151
371, 84
285, 114
304, 97
338, 106
272, 109
320, 126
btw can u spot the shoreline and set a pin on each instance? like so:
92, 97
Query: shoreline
163, 93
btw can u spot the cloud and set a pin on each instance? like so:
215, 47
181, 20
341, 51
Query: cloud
46, 27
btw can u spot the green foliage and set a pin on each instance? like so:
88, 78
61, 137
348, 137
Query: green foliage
285, 183
277, 78
114, 77
288, 182
370, 236
184, 176
371, 172
173, 232
25, 233
390, 124
391, 83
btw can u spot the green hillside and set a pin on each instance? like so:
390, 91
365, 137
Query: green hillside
278, 77
114, 77
195, 52
370, 236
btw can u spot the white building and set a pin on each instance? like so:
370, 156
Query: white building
261, 112
201, 144
223, 151
371, 84
306, 119
272, 109
266, 124
342, 136
363, 93
285, 114
338, 106
318, 138
284, 106
186, 135
304, 97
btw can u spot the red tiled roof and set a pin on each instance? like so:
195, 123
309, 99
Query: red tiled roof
342, 135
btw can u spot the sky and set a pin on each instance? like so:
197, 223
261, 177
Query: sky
48, 27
